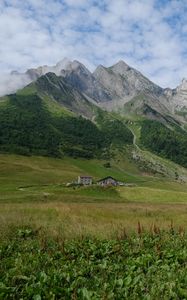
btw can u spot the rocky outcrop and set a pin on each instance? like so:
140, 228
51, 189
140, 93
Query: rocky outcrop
125, 81
116, 88
83, 80
57, 88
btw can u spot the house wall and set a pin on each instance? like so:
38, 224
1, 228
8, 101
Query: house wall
84, 180
108, 181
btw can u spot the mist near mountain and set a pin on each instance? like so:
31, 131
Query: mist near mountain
10, 83
116, 88
68, 110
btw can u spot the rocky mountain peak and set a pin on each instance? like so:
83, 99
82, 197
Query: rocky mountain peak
77, 74
108, 86
177, 98
181, 88
120, 67
63, 64
99, 70
183, 85
168, 92
76, 66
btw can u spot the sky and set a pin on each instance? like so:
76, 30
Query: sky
149, 35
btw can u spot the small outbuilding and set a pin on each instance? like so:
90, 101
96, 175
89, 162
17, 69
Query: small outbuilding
85, 180
109, 180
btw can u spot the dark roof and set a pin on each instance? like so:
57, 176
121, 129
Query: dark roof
85, 176
107, 178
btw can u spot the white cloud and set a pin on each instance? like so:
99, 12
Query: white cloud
10, 83
144, 33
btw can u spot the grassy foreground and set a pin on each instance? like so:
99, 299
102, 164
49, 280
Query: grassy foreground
142, 266
59, 242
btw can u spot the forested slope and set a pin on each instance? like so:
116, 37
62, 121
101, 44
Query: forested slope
28, 127
166, 142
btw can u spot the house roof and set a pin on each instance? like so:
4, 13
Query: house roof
107, 178
85, 176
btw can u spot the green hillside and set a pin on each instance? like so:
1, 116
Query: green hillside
30, 124
34, 195
50, 118
39, 174
25, 178
167, 142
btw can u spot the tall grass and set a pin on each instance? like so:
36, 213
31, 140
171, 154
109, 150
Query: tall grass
103, 220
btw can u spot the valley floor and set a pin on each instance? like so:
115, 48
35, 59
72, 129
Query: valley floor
59, 242
33, 193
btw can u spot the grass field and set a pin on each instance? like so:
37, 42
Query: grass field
33, 193
89, 243
102, 220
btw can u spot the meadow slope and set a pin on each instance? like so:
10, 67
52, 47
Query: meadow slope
33, 193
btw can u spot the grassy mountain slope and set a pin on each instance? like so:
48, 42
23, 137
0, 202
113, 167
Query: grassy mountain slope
145, 106
64, 94
37, 178
153, 161
28, 127
166, 142
45, 119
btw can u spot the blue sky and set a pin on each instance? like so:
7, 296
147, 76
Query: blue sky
149, 35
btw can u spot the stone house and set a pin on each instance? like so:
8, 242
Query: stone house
85, 180
109, 180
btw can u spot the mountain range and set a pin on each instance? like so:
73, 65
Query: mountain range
67, 110
117, 88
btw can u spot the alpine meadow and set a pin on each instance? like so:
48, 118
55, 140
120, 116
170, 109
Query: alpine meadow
93, 150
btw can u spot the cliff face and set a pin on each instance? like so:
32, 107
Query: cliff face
117, 88
125, 81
